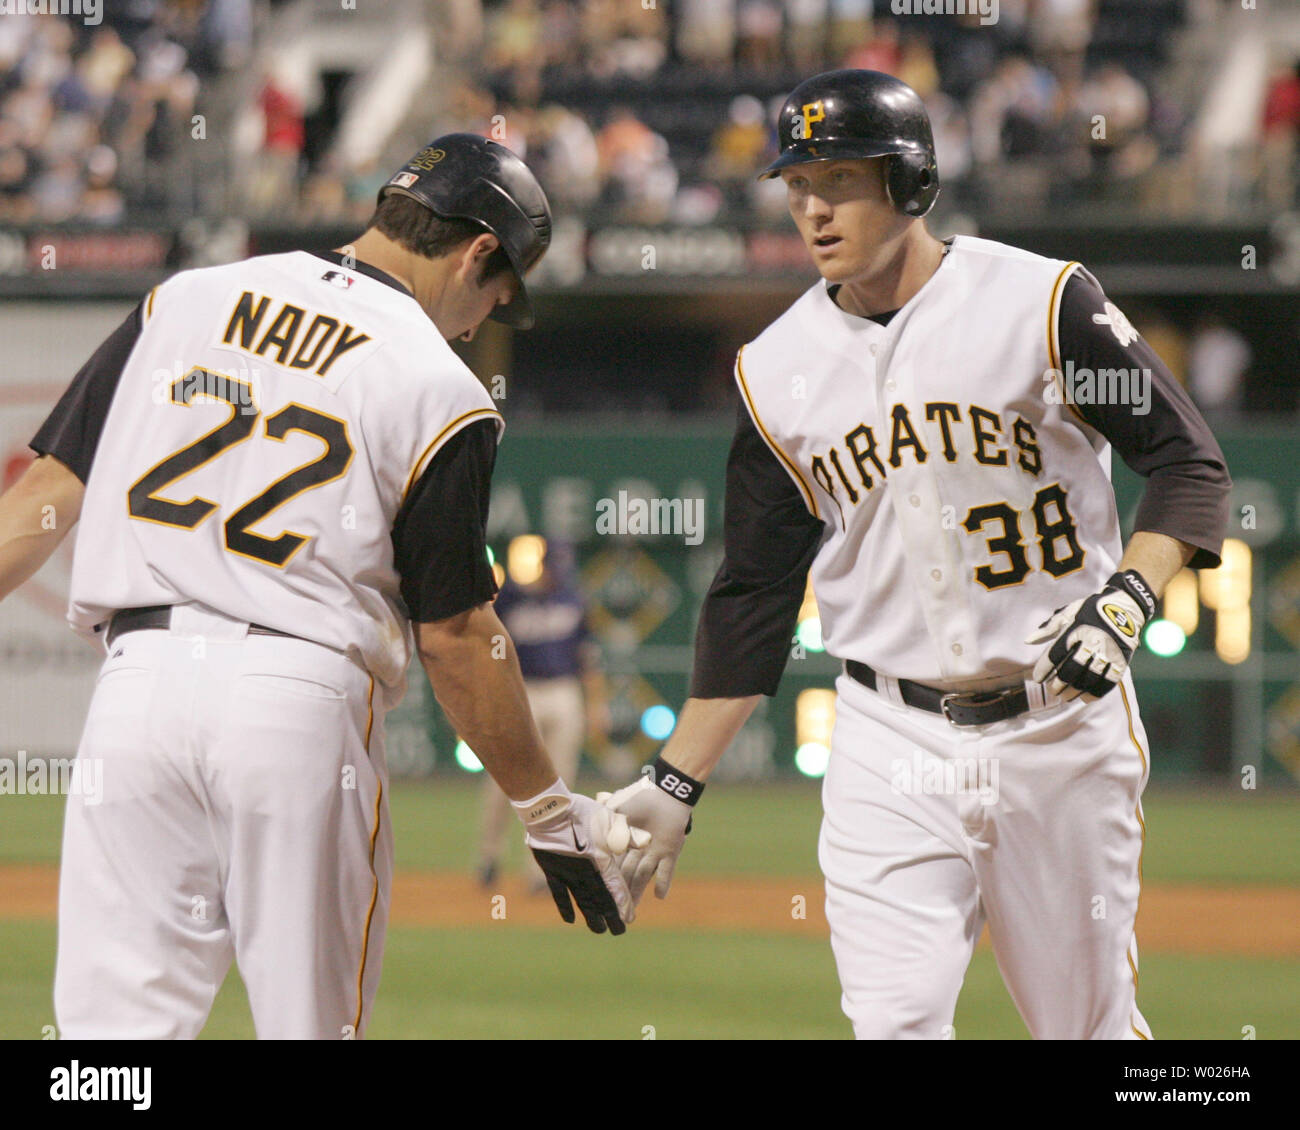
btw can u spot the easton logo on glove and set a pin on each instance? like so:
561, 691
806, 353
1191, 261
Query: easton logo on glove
1117, 616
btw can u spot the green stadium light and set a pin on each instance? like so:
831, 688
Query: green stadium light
466, 760
1165, 638
809, 633
811, 759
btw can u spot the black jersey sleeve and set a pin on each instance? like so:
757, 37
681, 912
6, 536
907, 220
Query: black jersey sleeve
770, 540
440, 536
71, 431
1158, 432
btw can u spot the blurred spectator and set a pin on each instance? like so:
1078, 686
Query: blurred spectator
916, 66
101, 202
641, 180
850, 25
881, 51
567, 160
16, 179
57, 191
952, 145
1117, 109
1281, 132
1013, 112
738, 144
561, 34
513, 36
758, 33
275, 179
806, 34
706, 32
1217, 362
1060, 30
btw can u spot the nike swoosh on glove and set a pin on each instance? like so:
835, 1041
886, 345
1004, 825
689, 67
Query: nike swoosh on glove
578, 844
1093, 638
666, 819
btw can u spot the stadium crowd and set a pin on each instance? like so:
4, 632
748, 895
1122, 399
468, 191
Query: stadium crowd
92, 115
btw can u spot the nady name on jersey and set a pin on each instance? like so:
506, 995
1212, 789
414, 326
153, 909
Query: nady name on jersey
294, 337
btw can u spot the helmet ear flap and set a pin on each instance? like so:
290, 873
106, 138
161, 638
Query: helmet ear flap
913, 183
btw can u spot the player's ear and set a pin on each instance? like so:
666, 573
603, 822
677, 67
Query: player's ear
476, 253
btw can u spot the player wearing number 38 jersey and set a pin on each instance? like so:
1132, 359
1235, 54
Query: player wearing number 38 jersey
927, 432
282, 471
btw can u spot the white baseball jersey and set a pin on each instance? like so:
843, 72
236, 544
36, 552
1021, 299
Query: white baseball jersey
270, 420
956, 507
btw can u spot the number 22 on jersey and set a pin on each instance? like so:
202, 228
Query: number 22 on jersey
143, 498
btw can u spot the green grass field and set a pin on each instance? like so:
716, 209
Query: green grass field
500, 981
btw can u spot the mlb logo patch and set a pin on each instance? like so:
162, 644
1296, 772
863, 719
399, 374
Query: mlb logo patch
338, 279
404, 180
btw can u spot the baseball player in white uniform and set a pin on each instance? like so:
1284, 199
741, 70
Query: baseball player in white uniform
929, 431
282, 471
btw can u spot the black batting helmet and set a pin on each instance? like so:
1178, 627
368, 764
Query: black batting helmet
843, 115
466, 177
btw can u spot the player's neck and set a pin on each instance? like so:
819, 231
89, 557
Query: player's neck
376, 250
426, 279
892, 287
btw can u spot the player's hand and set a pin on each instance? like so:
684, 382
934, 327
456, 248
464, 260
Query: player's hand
578, 844
652, 806
1093, 638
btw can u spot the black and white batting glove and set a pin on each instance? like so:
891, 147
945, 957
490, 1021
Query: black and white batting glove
1094, 638
660, 801
578, 845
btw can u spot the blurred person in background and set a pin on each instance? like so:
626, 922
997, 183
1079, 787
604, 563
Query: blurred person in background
1217, 361
101, 202
285, 134
738, 146
545, 613
850, 25
879, 51
1117, 110
1281, 133
805, 32
706, 32
565, 158
758, 31
641, 180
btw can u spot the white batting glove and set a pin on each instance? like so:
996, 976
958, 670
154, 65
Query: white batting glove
660, 801
577, 844
1094, 638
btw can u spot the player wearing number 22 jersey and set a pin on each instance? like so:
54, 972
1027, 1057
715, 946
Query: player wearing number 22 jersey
315, 367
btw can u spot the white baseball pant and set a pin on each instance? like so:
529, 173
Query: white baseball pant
1032, 825
244, 815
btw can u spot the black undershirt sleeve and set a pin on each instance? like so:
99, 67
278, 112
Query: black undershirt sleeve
71, 431
1161, 436
770, 539
440, 536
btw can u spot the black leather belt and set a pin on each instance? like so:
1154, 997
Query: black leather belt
160, 616
972, 708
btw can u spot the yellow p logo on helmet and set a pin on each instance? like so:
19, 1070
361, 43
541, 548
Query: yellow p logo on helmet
812, 112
